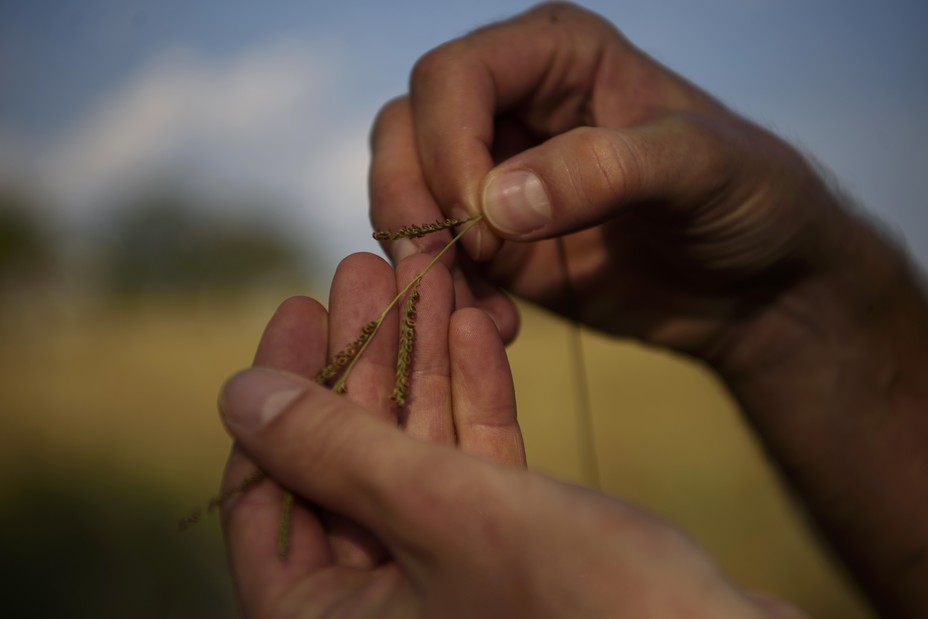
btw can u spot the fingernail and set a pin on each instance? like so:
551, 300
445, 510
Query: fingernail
516, 203
475, 236
253, 398
401, 249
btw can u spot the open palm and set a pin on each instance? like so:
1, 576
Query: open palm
458, 399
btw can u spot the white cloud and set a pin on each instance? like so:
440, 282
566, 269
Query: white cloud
180, 106
334, 190
269, 122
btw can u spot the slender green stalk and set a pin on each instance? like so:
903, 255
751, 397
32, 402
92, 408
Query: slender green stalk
415, 232
283, 524
585, 431
218, 501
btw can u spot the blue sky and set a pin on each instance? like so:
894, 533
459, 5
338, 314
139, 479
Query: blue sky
274, 99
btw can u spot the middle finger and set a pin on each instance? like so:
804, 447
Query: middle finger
427, 411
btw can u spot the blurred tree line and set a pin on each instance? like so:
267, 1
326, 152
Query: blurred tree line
164, 243
82, 538
26, 247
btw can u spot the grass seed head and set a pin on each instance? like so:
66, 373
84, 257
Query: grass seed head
415, 232
407, 343
334, 367
218, 501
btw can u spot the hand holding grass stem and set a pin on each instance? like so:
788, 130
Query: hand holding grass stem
341, 365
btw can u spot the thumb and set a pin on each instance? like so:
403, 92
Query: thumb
330, 451
586, 176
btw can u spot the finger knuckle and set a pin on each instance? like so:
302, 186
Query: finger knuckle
432, 65
616, 166
558, 11
388, 114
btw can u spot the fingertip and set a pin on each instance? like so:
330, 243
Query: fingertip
478, 355
481, 242
394, 112
507, 323
401, 249
295, 337
500, 309
468, 322
575, 180
473, 333
298, 306
360, 261
254, 398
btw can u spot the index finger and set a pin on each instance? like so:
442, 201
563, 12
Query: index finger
399, 196
543, 62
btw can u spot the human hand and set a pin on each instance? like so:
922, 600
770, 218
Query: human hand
680, 220
439, 520
685, 226
454, 399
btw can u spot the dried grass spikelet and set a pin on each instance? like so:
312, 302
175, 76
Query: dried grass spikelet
334, 367
415, 232
407, 343
218, 501
283, 524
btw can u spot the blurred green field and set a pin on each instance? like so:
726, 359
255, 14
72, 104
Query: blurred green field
108, 433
